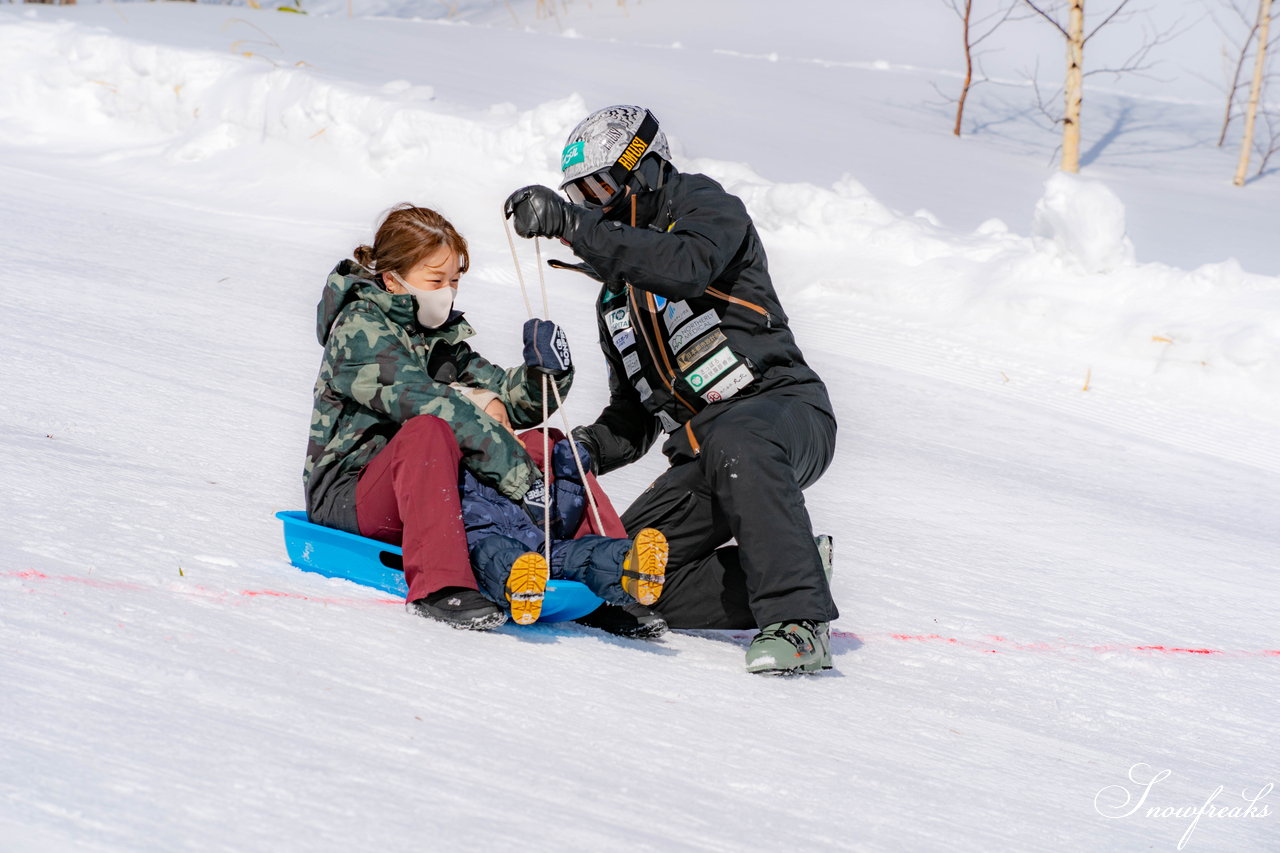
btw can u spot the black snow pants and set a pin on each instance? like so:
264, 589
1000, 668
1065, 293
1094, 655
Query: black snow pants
745, 485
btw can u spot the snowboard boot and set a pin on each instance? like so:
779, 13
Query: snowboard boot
644, 569
459, 607
826, 550
785, 648
526, 586
634, 621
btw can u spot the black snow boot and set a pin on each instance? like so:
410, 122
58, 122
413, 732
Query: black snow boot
634, 621
459, 607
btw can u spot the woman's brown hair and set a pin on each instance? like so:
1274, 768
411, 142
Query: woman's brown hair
408, 234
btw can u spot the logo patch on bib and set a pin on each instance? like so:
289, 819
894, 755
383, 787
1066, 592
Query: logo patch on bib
692, 329
711, 369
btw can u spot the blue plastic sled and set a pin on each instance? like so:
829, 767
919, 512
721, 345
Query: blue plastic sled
338, 554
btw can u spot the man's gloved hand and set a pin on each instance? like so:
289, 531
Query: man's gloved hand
546, 347
562, 464
535, 502
537, 211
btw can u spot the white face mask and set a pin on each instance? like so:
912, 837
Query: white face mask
433, 305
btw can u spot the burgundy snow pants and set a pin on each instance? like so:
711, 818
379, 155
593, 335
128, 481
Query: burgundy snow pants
408, 496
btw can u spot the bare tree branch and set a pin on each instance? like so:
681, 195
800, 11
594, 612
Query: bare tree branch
964, 10
1116, 11
1042, 13
1243, 13
1137, 63
1053, 118
1235, 80
1272, 146
999, 16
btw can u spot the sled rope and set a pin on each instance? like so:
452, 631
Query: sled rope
524, 292
555, 389
546, 462
542, 278
546, 434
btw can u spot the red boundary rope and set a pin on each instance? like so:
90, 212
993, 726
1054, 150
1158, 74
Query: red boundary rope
993, 644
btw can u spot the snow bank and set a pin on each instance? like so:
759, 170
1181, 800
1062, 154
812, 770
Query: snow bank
1070, 295
1070, 292
1082, 222
193, 105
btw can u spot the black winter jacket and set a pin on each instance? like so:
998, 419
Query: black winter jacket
689, 319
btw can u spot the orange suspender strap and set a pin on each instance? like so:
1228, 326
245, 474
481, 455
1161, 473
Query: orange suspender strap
693, 442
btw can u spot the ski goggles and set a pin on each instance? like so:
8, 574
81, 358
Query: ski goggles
596, 190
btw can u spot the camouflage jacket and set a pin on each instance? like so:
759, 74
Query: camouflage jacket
380, 369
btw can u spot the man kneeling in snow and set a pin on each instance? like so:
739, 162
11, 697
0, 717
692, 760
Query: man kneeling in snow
698, 347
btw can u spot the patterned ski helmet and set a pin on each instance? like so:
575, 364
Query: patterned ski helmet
604, 149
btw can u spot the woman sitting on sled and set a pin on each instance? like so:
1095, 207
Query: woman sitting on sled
412, 443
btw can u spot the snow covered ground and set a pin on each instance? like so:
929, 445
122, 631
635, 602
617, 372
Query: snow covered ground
1054, 499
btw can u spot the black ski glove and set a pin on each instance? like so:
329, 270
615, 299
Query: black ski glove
537, 211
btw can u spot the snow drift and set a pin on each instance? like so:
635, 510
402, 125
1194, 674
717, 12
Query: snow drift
1069, 292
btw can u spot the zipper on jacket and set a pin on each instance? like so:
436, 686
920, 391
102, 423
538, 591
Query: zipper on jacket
720, 294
